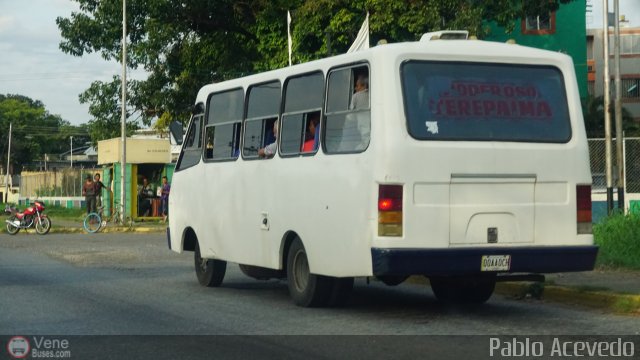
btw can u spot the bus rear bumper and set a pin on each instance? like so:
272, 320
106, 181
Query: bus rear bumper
469, 261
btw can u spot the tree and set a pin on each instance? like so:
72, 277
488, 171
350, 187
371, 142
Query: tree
328, 27
181, 44
594, 119
105, 107
35, 131
186, 44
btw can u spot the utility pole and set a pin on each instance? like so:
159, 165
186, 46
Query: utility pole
71, 154
6, 178
607, 115
618, 107
123, 121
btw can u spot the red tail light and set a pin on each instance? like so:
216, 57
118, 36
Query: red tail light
390, 197
390, 210
583, 204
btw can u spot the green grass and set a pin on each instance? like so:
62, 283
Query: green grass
619, 239
65, 213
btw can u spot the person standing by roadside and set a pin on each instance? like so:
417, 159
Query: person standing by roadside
145, 194
99, 186
164, 198
89, 193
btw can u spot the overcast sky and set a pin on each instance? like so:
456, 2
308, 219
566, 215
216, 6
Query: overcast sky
32, 64
629, 8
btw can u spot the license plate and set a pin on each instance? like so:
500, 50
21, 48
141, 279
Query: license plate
495, 263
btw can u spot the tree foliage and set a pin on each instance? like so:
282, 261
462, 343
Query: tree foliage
186, 44
594, 119
34, 131
105, 107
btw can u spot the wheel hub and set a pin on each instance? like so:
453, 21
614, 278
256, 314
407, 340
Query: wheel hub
301, 271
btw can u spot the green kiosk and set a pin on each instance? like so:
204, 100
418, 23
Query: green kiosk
147, 161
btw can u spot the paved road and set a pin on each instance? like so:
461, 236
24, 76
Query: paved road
130, 284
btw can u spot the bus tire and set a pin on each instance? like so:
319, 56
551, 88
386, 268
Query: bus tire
210, 272
305, 289
463, 290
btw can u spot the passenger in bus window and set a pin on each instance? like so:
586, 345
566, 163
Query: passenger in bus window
310, 142
236, 142
209, 146
270, 150
357, 128
360, 98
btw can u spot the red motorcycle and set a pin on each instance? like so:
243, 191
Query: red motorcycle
31, 217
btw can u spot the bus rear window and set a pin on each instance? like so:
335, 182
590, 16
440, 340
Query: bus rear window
485, 102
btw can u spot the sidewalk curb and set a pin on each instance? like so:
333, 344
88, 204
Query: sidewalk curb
609, 301
604, 300
146, 230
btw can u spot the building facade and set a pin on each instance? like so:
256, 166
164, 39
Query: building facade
557, 31
629, 66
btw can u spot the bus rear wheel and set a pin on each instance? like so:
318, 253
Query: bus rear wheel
463, 290
305, 289
210, 272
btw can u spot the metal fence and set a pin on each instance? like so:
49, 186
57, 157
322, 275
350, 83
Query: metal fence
62, 183
631, 151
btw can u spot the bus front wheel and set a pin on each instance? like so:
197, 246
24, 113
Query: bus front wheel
305, 289
210, 272
463, 290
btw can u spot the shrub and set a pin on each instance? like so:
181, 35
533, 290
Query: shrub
619, 239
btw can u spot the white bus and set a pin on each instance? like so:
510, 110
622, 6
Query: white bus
461, 160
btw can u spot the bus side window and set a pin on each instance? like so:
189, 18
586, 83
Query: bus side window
191, 149
263, 109
224, 123
348, 115
302, 105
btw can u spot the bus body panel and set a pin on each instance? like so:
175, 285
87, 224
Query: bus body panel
329, 223
453, 191
526, 190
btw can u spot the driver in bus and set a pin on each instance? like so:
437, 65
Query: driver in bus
270, 150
